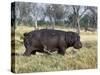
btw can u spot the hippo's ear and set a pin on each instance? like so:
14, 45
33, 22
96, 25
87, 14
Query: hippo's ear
25, 34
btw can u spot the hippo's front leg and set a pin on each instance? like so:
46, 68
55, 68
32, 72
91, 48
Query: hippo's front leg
61, 51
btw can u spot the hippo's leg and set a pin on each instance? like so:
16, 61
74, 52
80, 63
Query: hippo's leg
33, 52
46, 50
27, 52
61, 51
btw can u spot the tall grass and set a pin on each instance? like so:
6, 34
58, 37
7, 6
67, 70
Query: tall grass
85, 58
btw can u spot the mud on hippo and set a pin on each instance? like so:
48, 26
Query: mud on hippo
49, 40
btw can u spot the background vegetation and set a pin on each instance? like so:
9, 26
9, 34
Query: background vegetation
31, 16
35, 14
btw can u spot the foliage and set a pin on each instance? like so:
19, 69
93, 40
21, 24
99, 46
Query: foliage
35, 14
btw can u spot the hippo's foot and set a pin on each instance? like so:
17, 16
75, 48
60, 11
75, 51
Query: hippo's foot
27, 53
61, 52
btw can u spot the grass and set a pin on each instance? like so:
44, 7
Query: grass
85, 58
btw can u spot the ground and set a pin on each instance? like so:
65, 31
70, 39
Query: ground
84, 58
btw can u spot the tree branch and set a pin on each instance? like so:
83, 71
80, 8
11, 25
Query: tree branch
83, 12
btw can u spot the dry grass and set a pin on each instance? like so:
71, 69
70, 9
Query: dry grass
85, 58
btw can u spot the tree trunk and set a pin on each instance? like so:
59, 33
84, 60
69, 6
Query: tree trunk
78, 25
36, 25
53, 25
86, 27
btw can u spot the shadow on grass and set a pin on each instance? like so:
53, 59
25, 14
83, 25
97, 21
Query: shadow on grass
16, 54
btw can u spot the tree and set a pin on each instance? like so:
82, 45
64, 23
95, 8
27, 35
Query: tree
55, 13
22, 12
29, 13
90, 19
78, 12
35, 13
93, 10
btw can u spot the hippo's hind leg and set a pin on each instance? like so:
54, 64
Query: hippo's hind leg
27, 53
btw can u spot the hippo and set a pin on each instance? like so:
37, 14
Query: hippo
50, 40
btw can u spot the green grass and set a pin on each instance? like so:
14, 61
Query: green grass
85, 58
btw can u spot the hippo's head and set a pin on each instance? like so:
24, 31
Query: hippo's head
73, 40
77, 43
